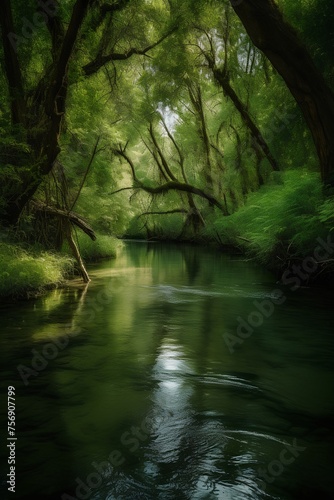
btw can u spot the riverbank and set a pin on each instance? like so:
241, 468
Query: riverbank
315, 269
187, 346
27, 271
286, 226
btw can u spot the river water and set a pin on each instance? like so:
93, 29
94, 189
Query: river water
179, 373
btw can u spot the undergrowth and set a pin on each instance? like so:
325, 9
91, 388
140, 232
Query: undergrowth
23, 271
104, 246
281, 222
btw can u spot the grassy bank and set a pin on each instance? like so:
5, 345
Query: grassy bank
25, 272
103, 247
281, 224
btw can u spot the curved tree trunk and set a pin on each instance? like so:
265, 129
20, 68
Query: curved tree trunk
275, 37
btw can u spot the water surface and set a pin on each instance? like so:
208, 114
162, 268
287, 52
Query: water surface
137, 387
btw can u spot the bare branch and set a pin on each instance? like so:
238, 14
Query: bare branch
168, 186
187, 188
176, 146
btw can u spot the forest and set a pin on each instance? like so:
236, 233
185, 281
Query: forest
166, 249
201, 121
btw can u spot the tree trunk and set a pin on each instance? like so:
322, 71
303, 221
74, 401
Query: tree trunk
222, 78
11, 63
275, 37
194, 218
43, 133
75, 251
195, 95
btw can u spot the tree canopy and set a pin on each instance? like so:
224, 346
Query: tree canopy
130, 112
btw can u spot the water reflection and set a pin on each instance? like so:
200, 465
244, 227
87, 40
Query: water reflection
146, 373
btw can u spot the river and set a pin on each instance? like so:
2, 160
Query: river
178, 373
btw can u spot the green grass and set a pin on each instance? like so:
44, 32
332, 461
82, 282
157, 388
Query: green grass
103, 247
23, 271
280, 222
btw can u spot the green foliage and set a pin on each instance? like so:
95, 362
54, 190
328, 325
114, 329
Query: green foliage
103, 247
23, 271
170, 225
162, 227
281, 221
314, 20
208, 143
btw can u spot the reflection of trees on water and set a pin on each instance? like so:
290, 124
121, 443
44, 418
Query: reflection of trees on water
155, 354
44, 449
184, 449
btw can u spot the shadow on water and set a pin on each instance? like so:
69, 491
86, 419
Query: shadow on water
33, 336
148, 401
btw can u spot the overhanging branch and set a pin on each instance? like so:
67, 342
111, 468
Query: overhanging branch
167, 212
101, 60
76, 219
176, 186
167, 186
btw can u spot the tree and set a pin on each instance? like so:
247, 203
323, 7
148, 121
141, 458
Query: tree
38, 109
42, 120
274, 36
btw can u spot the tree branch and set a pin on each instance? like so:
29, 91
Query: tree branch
107, 8
101, 60
122, 189
162, 157
176, 186
120, 151
168, 186
175, 211
187, 188
175, 144
73, 217
94, 152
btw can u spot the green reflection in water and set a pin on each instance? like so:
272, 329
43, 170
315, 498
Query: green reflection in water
142, 379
